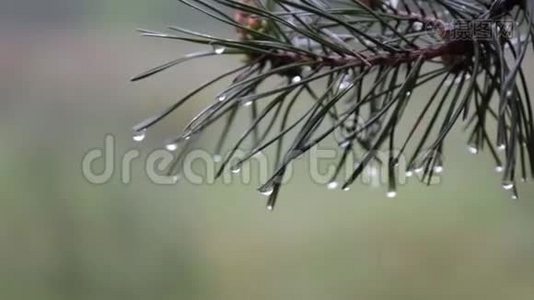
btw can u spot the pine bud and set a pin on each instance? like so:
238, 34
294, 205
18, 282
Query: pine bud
249, 21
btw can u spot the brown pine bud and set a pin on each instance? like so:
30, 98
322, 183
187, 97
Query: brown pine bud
250, 21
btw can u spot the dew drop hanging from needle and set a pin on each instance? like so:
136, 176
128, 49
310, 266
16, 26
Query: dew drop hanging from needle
508, 185
332, 185
345, 82
266, 191
345, 144
344, 85
139, 136
236, 169
472, 149
457, 80
171, 147
218, 49
391, 194
296, 79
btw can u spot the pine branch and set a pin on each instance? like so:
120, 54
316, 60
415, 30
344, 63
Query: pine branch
361, 62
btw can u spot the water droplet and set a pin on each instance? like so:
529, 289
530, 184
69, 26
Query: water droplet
175, 178
417, 26
438, 169
419, 170
332, 185
296, 79
217, 158
248, 103
139, 136
391, 194
218, 49
172, 147
270, 207
508, 185
408, 94
345, 82
236, 168
369, 43
501, 147
509, 93
499, 169
187, 137
346, 189
409, 173
343, 85
515, 196
267, 191
472, 149
345, 144
221, 98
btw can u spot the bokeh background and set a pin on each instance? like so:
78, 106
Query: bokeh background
64, 85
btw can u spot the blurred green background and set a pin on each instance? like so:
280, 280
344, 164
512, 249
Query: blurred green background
64, 86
